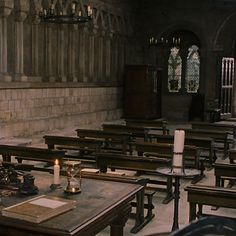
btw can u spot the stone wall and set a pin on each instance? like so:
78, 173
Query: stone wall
54, 76
24, 112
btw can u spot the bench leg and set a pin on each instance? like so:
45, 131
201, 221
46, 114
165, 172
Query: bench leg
141, 221
192, 211
139, 216
202, 175
169, 190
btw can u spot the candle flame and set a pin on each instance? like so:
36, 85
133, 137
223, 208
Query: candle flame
56, 162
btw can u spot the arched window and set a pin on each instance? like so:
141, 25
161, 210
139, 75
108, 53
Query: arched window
174, 70
192, 70
183, 62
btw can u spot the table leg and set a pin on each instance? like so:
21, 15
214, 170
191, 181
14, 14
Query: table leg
176, 205
117, 226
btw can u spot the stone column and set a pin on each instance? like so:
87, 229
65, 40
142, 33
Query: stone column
82, 54
48, 53
91, 55
19, 46
121, 58
35, 49
95, 53
101, 57
71, 54
61, 54
108, 56
4, 13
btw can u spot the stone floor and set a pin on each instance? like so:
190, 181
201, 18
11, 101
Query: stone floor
162, 222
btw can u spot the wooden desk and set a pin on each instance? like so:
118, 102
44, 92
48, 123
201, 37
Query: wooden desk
137, 163
100, 204
208, 195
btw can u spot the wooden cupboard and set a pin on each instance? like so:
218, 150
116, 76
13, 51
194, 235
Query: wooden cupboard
142, 92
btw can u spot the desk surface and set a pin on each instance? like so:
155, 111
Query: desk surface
98, 205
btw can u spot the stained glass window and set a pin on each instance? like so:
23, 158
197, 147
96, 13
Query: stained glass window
192, 70
174, 70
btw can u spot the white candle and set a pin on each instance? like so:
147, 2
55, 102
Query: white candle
178, 150
56, 168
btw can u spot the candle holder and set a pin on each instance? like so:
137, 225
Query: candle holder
55, 186
73, 169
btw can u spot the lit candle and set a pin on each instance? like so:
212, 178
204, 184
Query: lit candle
178, 150
56, 168
73, 6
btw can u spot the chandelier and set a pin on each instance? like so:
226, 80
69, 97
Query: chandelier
66, 12
155, 41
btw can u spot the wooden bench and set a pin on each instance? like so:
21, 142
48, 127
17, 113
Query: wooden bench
224, 171
30, 153
218, 136
214, 126
134, 163
205, 144
116, 141
78, 148
165, 150
157, 125
232, 156
199, 195
230, 128
135, 131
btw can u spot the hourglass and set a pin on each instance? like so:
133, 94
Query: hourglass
73, 168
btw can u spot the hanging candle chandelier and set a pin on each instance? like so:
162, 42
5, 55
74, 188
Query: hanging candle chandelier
66, 12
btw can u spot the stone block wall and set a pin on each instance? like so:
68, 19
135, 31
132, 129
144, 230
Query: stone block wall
26, 111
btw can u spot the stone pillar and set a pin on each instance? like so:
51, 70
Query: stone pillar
5, 11
95, 53
19, 46
61, 54
91, 55
71, 54
82, 53
48, 53
121, 58
35, 49
101, 57
108, 56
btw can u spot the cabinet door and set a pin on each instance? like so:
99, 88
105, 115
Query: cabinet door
142, 92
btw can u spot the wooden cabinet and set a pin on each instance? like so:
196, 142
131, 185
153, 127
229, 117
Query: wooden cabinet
142, 92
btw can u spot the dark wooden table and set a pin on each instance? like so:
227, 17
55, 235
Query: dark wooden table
100, 204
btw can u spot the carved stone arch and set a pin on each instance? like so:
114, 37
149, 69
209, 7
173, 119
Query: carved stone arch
187, 27
34, 9
225, 35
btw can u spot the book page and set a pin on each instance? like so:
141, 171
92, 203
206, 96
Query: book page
45, 202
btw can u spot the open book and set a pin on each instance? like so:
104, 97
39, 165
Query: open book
39, 209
